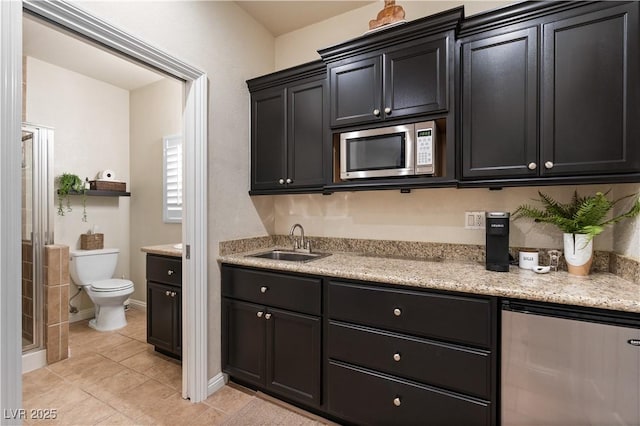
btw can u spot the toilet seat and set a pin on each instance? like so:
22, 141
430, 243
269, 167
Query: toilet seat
110, 285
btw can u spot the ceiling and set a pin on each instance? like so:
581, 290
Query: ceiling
49, 44
281, 17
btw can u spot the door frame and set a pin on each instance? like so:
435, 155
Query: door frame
194, 224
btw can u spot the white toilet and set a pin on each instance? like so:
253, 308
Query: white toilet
92, 270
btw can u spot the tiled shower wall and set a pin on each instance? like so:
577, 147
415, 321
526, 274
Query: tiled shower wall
56, 302
27, 291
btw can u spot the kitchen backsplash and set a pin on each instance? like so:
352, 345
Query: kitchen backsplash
604, 261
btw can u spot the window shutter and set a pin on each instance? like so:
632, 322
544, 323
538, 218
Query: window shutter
172, 182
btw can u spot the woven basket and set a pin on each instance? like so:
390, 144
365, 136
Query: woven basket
91, 241
108, 185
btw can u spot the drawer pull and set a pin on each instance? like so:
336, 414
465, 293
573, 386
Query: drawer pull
167, 293
173, 294
264, 289
267, 316
396, 356
169, 272
259, 314
396, 401
397, 312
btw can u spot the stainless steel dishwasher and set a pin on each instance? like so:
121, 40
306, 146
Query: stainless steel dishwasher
567, 367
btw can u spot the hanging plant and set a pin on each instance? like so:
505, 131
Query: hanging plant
69, 183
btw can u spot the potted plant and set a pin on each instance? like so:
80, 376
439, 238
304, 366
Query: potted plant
69, 183
580, 220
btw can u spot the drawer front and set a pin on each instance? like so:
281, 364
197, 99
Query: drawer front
300, 294
454, 318
365, 397
167, 270
451, 367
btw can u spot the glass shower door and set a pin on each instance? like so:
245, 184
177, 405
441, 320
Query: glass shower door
37, 226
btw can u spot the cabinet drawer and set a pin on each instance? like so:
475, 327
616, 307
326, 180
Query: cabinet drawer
365, 397
300, 294
447, 366
164, 269
454, 318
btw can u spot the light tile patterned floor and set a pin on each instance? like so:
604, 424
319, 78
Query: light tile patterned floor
116, 378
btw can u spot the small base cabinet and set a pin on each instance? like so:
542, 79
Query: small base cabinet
164, 304
272, 331
397, 356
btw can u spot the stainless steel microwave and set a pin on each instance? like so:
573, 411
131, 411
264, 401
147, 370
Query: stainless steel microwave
403, 150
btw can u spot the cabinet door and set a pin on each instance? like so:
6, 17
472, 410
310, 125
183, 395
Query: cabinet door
306, 134
415, 80
243, 341
356, 92
268, 142
161, 315
499, 106
293, 355
590, 93
177, 324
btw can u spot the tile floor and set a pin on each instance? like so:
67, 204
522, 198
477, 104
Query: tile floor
116, 378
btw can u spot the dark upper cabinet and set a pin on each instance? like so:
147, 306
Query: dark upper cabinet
553, 97
499, 105
268, 147
397, 83
288, 129
590, 89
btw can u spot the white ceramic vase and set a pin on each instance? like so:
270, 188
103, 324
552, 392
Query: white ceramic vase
578, 252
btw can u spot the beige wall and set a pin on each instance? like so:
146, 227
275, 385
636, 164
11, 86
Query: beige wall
301, 46
226, 43
155, 111
91, 122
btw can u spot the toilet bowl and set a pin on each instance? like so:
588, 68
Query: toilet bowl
92, 270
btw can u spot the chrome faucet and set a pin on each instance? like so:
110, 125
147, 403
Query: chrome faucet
299, 244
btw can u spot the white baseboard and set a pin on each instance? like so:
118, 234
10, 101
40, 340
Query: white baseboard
216, 383
82, 315
137, 304
34, 360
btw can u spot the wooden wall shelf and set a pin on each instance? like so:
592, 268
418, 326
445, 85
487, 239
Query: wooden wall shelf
102, 193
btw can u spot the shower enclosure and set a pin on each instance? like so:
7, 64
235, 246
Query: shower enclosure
37, 227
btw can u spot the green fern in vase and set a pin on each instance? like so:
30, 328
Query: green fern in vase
582, 215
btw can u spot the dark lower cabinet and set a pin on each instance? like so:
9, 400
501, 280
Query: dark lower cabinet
164, 304
400, 356
276, 350
367, 397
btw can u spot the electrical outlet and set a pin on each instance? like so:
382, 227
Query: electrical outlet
474, 220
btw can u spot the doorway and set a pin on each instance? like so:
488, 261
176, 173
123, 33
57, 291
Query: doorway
194, 232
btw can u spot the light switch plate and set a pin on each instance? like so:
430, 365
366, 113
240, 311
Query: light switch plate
474, 220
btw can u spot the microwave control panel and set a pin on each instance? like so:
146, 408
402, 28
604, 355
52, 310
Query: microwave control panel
425, 143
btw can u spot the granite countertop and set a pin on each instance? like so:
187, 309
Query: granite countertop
599, 290
164, 250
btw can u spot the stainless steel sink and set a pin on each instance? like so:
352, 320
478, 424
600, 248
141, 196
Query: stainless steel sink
291, 256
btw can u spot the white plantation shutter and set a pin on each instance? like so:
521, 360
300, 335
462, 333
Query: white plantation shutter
172, 179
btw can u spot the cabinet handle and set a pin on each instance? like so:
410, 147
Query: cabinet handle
259, 314
267, 316
532, 166
281, 181
387, 110
397, 312
396, 401
170, 272
264, 289
173, 294
548, 164
167, 293
396, 356
376, 112
289, 180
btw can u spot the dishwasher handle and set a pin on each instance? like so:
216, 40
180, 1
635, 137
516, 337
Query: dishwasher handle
578, 313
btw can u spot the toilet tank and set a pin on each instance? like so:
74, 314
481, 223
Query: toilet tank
88, 266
